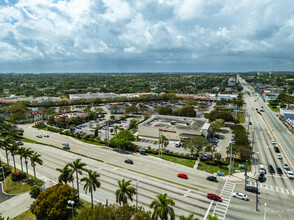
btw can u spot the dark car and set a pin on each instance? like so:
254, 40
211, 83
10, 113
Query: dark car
129, 161
252, 189
183, 176
214, 197
66, 147
279, 170
277, 150
261, 178
212, 178
19, 143
271, 169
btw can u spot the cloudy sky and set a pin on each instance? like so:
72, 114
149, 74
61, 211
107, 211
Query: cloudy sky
146, 35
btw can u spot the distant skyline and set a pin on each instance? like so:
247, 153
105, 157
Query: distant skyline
146, 36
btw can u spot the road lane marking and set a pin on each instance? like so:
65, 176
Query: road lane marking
272, 188
287, 191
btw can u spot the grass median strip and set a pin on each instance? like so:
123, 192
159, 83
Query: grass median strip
182, 161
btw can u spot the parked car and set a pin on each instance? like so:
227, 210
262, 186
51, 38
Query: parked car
271, 169
46, 135
212, 178
273, 141
279, 170
240, 196
289, 174
252, 189
66, 147
183, 176
214, 197
39, 136
19, 143
261, 178
286, 167
129, 161
279, 156
65, 143
277, 150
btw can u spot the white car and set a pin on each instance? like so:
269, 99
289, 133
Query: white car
65, 143
279, 156
273, 141
286, 167
46, 135
289, 174
240, 196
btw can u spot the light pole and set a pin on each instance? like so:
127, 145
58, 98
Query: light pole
230, 158
3, 171
71, 202
264, 211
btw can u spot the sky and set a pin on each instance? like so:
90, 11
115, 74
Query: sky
146, 35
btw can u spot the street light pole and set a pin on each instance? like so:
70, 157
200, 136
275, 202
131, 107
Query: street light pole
230, 159
3, 171
264, 211
246, 174
71, 202
257, 195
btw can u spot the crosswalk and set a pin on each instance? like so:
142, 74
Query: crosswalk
273, 188
221, 208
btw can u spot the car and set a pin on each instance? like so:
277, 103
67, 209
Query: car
271, 169
289, 174
46, 135
212, 178
240, 196
129, 161
279, 170
252, 189
205, 157
19, 143
279, 156
261, 178
39, 136
273, 141
214, 197
149, 147
65, 143
66, 147
286, 167
277, 150
250, 123
182, 175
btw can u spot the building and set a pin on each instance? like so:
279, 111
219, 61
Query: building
287, 113
174, 127
269, 96
71, 114
90, 95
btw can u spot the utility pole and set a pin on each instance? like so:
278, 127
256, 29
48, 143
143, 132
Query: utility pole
159, 138
230, 159
246, 174
248, 122
257, 195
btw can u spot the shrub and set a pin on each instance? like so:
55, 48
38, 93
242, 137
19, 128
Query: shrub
18, 176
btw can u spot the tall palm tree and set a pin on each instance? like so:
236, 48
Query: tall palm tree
161, 207
77, 166
13, 150
26, 155
6, 142
35, 159
64, 176
125, 192
20, 153
92, 183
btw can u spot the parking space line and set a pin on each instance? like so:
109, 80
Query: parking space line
277, 189
292, 192
282, 190
287, 191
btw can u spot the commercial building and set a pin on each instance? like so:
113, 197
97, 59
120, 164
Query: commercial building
90, 95
174, 127
287, 113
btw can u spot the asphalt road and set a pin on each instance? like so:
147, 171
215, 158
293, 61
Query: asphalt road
187, 200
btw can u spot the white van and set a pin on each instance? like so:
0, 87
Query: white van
262, 169
178, 144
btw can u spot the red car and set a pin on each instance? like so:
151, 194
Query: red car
182, 175
214, 197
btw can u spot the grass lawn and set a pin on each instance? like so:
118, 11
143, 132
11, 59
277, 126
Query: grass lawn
222, 168
27, 140
183, 161
27, 215
20, 186
241, 117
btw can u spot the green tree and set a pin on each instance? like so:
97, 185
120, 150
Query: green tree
13, 150
96, 132
65, 176
35, 159
190, 217
131, 110
218, 156
210, 217
21, 153
162, 207
35, 191
196, 144
164, 140
133, 123
26, 155
6, 142
186, 111
122, 139
52, 204
91, 183
165, 110
125, 192
190, 102
77, 166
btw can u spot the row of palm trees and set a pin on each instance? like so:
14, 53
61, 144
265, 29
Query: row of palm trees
161, 206
11, 146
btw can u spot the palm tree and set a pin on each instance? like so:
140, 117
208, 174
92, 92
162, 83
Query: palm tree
161, 207
190, 217
8, 140
26, 155
124, 192
13, 150
64, 176
35, 159
20, 153
91, 183
77, 166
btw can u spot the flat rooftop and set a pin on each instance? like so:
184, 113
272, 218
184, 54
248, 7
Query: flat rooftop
187, 124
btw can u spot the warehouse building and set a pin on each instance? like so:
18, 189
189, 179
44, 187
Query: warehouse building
174, 127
